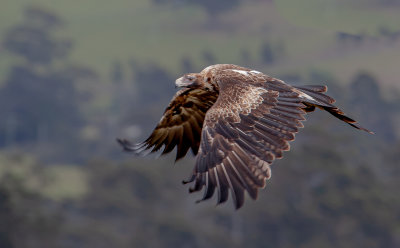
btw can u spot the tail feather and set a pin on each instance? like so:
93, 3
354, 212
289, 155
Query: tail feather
325, 102
340, 115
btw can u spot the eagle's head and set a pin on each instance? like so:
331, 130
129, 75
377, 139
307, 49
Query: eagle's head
205, 79
196, 81
190, 80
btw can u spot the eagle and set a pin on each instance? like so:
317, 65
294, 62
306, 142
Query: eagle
236, 121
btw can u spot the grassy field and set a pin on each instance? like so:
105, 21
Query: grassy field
352, 16
104, 32
57, 182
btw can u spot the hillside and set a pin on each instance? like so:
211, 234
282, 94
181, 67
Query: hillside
125, 31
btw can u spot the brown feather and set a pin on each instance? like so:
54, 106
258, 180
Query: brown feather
181, 123
237, 121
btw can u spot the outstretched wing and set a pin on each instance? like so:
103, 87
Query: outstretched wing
180, 125
249, 126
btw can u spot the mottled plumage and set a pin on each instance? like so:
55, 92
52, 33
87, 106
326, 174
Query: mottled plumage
237, 121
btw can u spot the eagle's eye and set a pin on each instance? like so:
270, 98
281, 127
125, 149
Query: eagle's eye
190, 77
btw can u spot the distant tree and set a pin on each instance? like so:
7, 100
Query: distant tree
268, 55
326, 78
209, 57
292, 78
24, 212
366, 86
153, 82
367, 99
355, 39
388, 2
117, 73
42, 17
42, 107
154, 87
39, 102
187, 65
245, 57
213, 8
272, 52
389, 34
34, 41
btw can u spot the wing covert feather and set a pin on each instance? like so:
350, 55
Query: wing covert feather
244, 131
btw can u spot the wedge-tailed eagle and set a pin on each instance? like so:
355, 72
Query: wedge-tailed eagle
236, 121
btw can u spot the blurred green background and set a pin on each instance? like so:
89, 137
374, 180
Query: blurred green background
76, 75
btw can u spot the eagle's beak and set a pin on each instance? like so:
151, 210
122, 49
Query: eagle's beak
183, 82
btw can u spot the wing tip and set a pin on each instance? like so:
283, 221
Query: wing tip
189, 180
238, 204
127, 146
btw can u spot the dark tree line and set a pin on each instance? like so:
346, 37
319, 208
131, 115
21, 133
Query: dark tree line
213, 8
39, 101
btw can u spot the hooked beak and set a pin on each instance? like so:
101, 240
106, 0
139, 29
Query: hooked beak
183, 82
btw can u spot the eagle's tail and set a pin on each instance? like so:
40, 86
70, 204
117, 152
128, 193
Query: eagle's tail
325, 102
340, 115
